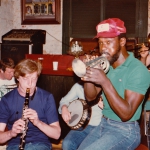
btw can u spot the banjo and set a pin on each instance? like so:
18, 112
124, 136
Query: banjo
81, 111
80, 114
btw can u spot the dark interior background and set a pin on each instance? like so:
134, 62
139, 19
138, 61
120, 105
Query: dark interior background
80, 18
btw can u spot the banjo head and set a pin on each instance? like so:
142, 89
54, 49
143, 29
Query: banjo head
80, 116
75, 109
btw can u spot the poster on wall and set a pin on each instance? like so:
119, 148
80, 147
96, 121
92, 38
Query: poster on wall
40, 11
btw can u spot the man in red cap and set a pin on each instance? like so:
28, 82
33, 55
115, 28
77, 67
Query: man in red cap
123, 90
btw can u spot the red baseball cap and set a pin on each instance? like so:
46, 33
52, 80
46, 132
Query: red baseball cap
110, 28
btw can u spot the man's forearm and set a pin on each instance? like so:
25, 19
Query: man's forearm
90, 91
52, 131
5, 136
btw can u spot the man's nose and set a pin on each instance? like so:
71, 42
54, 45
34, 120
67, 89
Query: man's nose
104, 46
29, 82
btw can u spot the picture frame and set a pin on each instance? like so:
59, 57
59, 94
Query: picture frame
34, 12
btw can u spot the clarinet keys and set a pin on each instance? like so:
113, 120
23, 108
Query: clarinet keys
25, 106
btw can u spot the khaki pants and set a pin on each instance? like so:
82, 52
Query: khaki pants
3, 147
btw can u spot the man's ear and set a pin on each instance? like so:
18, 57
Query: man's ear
1, 71
122, 41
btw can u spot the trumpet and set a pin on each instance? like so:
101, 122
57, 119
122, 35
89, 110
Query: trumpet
79, 67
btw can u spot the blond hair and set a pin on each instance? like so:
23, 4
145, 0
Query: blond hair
27, 66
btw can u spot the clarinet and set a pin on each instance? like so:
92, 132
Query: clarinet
26, 106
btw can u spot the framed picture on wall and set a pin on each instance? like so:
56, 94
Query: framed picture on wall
40, 12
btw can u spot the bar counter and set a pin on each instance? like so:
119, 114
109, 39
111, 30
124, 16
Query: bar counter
64, 64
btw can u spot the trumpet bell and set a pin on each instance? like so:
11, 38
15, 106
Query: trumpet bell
78, 67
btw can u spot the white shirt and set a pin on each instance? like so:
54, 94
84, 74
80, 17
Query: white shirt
6, 86
77, 92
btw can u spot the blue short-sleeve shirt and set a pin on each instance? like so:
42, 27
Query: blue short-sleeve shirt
11, 107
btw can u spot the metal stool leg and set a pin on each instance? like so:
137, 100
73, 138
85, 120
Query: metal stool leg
148, 142
147, 121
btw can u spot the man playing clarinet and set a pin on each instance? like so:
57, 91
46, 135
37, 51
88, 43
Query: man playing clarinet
41, 112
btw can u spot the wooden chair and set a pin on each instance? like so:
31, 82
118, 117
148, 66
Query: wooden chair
57, 146
147, 121
141, 147
2, 147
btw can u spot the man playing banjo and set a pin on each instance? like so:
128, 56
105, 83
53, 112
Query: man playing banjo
75, 137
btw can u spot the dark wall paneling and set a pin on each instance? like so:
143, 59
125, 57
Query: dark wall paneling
84, 15
66, 26
80, 17
125, 10
59, 87
142, 22
15, 51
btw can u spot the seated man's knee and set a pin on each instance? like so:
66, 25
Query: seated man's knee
67, 144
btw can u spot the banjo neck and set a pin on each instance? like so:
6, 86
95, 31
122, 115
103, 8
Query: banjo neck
93, 102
